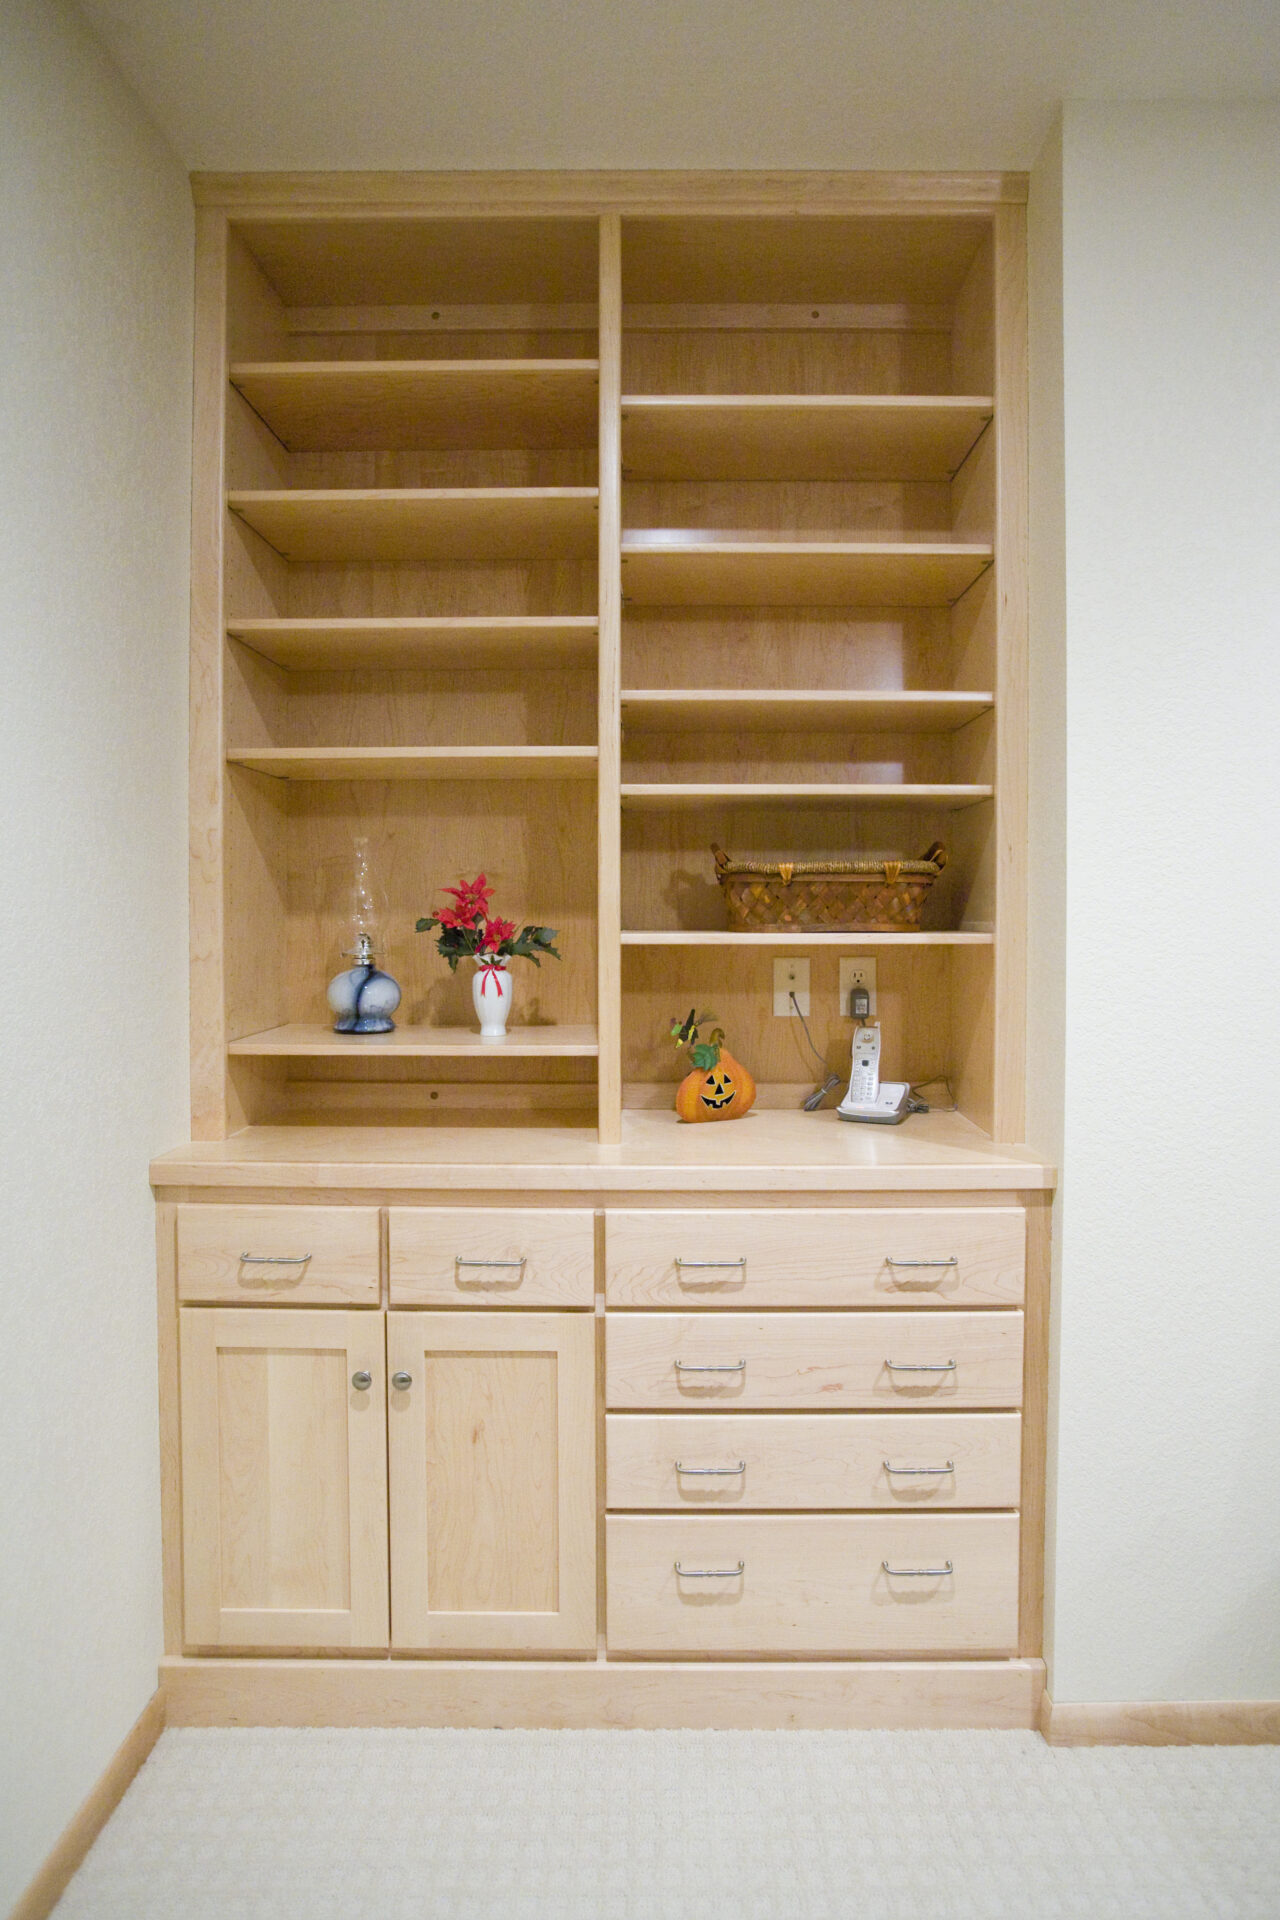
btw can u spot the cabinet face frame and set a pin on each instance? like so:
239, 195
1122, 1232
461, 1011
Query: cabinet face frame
540, 1508
257, 1460
983, 988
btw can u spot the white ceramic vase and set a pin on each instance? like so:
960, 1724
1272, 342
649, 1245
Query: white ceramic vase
491, 991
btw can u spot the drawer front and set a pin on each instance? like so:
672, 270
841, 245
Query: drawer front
814, 1360
492, 1256
279, 1256
813, 1584
948, 1256
899, 1461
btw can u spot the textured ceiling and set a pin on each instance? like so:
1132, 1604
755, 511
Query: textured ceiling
663, 83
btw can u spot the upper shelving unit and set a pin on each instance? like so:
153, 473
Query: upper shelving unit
687, 569
347, 405
423, 523
798, 436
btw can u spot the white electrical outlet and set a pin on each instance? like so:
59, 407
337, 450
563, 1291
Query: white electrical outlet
790, 976
856, 973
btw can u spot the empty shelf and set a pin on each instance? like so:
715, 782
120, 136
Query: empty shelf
798, 437
332, 645
374, 404
424, 523
694, 710
418, 763
680, 569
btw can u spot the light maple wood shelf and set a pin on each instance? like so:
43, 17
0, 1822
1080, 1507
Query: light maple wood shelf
724, 937
799, 437
341, 405
418, 763
698, 710
864, 793
423, 523
304, 1040
337, 645
681, 569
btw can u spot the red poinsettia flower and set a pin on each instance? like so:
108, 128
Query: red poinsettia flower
473, 898
495, 932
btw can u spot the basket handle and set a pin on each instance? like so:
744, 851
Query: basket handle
722, 858
937, 853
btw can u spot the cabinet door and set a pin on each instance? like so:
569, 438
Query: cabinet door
284, 1478
491, 1421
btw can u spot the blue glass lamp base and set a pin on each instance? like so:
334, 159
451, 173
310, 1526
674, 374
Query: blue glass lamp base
364, 999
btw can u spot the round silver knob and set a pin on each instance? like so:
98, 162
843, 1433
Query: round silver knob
362, 1381
402, 1380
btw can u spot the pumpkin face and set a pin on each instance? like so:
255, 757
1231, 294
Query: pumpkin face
723, 1092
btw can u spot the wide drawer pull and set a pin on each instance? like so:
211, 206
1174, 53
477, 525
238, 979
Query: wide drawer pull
921, 1366
274, 1259
688, 1266
951, 1261
918, 1573
739, 1366
710, 1573
681, 1468
461, 1260
890, 1468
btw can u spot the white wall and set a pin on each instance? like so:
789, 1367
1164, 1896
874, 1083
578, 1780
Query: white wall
1166, 1547
95, 344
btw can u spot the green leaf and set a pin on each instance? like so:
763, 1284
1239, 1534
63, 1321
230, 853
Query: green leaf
705, 1056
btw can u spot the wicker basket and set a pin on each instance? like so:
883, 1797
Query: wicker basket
828, 896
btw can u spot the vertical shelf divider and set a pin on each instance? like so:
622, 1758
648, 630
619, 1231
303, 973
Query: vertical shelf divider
609, 604
206, 799
1008, 1120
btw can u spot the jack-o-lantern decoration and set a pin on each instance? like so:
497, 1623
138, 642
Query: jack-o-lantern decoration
718, 1088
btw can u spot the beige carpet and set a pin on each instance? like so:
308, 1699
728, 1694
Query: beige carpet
259, 1824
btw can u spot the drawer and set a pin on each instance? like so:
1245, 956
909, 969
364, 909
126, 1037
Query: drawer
492, 1256
775, 1257
813, 1584
279, 1256
742, 1461
814, 1360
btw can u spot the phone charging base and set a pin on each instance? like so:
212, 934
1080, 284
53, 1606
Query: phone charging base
889, 1109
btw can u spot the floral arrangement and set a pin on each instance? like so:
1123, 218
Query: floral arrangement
469, 932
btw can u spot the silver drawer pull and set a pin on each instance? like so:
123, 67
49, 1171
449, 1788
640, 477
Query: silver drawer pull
918, 1573
739, 1366
710, 1573
274, 1259
739, 1266
517, 1266
951, 1261
890, 1468
921, 1366
681, 1468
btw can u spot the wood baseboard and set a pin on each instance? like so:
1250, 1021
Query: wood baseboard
1161, 1723
548, 1693
49, 1885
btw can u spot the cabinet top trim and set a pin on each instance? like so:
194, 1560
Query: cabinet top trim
377, 195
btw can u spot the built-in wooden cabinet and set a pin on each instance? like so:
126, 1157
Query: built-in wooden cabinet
559, 527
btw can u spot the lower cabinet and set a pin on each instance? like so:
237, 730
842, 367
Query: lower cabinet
284, 1478
486, 1421
491, 1426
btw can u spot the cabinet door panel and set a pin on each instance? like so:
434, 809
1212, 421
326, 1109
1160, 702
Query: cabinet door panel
492, 1450
284, 1481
